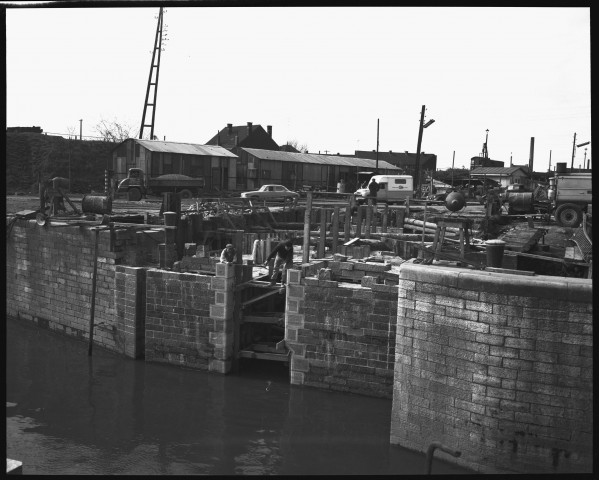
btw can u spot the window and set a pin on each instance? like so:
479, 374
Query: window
400, 181
382, 185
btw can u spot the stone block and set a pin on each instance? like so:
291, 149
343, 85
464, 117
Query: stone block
190, 249
224, 270
297, 378
368, 281
299, 364
219, 366
325, 274
294, 277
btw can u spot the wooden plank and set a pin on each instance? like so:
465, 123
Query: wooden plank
263, 319
280, 357
275, 291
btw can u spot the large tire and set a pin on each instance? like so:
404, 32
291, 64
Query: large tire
185, 194
568, 215
134, 194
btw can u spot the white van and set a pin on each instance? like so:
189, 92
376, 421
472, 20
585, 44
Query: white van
392, 189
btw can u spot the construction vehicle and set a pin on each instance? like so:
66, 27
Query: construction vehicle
137, 185
570, 195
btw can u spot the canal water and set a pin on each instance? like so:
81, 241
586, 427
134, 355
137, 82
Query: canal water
67, 413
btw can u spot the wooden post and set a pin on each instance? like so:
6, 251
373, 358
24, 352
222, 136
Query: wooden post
348, 215
306, 245
41, 192
335, 230
368, 218
385, 215
93, 300
423, 232
323, 232
359, 221
399, 216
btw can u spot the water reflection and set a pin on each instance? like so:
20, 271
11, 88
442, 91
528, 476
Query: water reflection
71, 414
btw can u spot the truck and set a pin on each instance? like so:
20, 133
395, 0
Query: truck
570, 195
392, 189
137, 185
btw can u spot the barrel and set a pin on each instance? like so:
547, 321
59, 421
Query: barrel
61, 182
170, 219
101, 204
495, 250
520, 201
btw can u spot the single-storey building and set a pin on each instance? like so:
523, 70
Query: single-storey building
214, 164
404, 160
504, 176
256, 167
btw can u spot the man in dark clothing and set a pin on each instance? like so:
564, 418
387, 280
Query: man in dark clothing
284, 259
374, 188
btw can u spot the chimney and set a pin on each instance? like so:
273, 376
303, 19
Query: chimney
532, 153
269, 130
230, 127
249, 128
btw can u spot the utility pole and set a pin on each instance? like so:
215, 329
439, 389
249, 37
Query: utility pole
81, 129
157, 47
452, 163
573, 151
417, 169
376, 170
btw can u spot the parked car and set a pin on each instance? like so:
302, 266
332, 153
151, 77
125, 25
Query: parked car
271, 192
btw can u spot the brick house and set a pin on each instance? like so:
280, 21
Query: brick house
245, 136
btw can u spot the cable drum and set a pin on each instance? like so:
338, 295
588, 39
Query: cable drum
100, 204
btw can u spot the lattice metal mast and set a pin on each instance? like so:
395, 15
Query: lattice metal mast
154, 66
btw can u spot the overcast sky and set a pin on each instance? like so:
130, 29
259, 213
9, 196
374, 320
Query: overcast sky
321, 76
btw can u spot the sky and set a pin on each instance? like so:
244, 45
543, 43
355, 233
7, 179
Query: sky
321, 76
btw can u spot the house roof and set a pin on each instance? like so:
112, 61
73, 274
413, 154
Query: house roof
226, 136
397, 158
184, 148
317, 158
496, 171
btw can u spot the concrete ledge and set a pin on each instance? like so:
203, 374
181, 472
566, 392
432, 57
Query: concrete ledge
430, 273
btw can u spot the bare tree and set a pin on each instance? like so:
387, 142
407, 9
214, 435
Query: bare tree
303, 148
114, 131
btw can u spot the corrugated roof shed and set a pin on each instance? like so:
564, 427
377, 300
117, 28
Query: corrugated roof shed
495, 170
185, 148
319, 159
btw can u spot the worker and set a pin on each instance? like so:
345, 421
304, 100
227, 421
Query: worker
284, 260
228, 255
341, 186
374, 188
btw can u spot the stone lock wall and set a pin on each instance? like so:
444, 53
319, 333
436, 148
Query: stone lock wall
496, 366
49, 272
342, 335
189, 318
